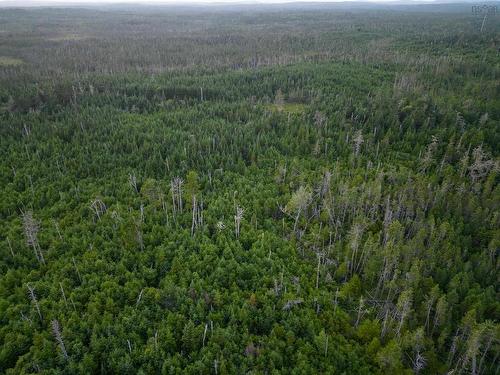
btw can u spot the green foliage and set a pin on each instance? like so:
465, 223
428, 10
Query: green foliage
318, 197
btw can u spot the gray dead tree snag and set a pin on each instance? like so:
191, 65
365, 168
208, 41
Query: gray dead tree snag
418, 363
319, 256
292, 303
27, 130
31, 227
98, 207
32, 297
460, 121
155, 338
141, 210
176, 191
360, 311
325, 185
56, 330
63, 295
319, 119
139, 297
10, 247
490, 337
355, 235
357, 142
439, 313
298, 204
164, 207
58, 229
472, 350
139, 238
25, 318
132, 180
197, 215
200, 214
481, 164
194, 216
336, 300
205, 334
417, 359
220, 226
484, 118
326, 346
428, 157
237, 220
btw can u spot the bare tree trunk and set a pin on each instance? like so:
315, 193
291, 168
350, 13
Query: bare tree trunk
32, 295
57, 334
193, 221
63, 294
10, 247
205, 334
317, 270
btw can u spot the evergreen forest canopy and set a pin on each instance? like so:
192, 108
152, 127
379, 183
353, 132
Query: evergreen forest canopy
257, 189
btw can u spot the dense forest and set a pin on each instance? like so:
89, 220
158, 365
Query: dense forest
250, 189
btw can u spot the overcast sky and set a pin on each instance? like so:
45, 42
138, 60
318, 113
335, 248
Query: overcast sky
43, 2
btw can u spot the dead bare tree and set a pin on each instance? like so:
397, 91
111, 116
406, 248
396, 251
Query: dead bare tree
355, 239
63, 294
319, 256
481, 164
56, 330
319, 119
10, 247
132, 180
205, 334
428, 157
194, 220
336, 300
197, 215
298, 203
139, 297
31, 227
98, 207
138, 235
58, 230
176, 191
360, 311
237, 220
325, 185
220, 226
32, 296
440, 313
460, 121
292, 303
418, 363
357, 142
27, 130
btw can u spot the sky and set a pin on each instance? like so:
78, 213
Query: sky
69, 2
27, 3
